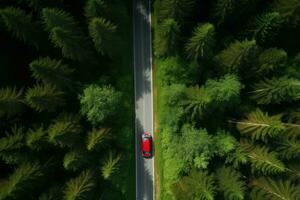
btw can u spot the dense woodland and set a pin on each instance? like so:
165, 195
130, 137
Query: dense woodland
227, 95
66, 100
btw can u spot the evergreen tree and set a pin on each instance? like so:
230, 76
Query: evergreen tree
96, 137
224, 10
289, 149
267, 188
21, 181
271, 60
166, 38
110, 166
79, 187
99, 103
265, 162
94, 8
65, 130
276, 90
197, 185
57, 18
10, 101
103, 34
289, 10
75, 159
51, 71
36, 138
21, 25
202, 43
240, 155
261, 126
230, 184
238, 56
265, 27
44, 97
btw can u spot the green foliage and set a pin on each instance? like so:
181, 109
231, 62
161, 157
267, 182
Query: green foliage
51, 71
289, 149
44, 97
289, 10
36, 138
261, 126
267, 188
230, 183
79, 188
96, 137
65, 130
197, 185
271, 60
276, 90
174, 70
202, 43
238, 56
265, 162
265, 27
21, 25
178, 10
240, 155
166, 38
10, 101
110, 166
75, 159
102, 32
94, 8
21, 180
57, 18
224, 143
99, 103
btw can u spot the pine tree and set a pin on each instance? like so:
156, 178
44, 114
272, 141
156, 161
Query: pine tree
166, 39
230, 184
276, 90
57, 18
79, 187
10, 101
110, 166
103, 32
271, 60
36, 138
289, 149
238, 56
202, 43
51, 71
197, 185
94, 8
21, 25
224, 10
21, 180
265, 162
267, 188
289, 10
65, 130
240, 155
261, 126
265, 27
44, 97
75, 159
96, 137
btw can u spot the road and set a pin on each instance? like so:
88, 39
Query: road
143, 95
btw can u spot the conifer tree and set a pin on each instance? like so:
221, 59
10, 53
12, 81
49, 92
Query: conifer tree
110, 166
21, 25
238, 56
44, 97
75, 159
96, 137
94, 8
202, 43
102, 32
57, 18
289, 10
166, 39
51, 71
10, 101
36, 138
276, 90
289, 149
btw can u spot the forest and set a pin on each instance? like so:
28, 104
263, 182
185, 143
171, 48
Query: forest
227, 94
66, 100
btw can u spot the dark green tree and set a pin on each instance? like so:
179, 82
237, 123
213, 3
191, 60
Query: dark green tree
289, 149
276, 90
202, 43
110, 166
10, 101
289, 10
51, 71
99, 103
57, 18
36, 138
44, 97
166, 38
75, 159
96, 137
94, 8
21, 25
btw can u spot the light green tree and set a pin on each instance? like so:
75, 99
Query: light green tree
36, 138
96, 137
110, 165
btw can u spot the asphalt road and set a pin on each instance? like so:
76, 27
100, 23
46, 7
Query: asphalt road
143, 96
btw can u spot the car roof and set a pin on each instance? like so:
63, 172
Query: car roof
146, 144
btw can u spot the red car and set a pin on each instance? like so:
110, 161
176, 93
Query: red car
146, 145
